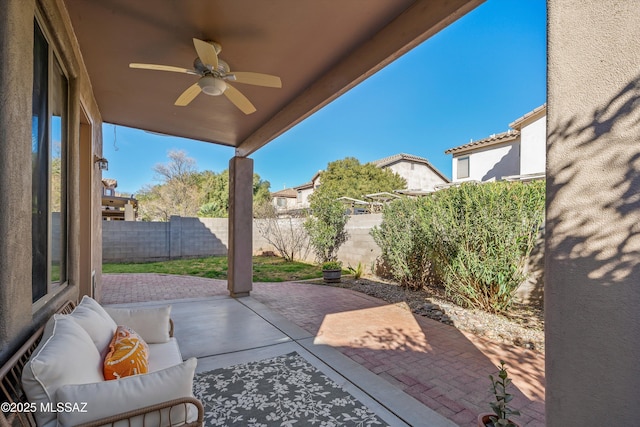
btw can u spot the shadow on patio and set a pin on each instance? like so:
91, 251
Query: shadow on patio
441, 367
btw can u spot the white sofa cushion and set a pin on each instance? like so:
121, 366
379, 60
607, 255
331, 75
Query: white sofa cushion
164, 355
113, 397
151, 323
66, 355
98, 324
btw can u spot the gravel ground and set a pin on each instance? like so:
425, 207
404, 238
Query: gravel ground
524, 327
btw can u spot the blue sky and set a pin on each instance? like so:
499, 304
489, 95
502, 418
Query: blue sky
467, 82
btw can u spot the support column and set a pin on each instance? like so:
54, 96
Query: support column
592, 262
240, 273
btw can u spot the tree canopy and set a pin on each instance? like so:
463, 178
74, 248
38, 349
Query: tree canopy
185, 191
349, 178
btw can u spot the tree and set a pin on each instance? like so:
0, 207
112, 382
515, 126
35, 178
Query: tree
178, 192
350, 178
215, 188
326, 226
287, 235
184, 191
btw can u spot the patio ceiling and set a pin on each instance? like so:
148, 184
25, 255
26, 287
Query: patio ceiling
319, 48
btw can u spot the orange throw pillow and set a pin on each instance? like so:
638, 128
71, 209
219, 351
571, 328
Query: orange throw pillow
128, 355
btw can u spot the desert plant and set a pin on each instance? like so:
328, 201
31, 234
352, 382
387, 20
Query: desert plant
401, 237
500, 407
332, 265
357, 272
474, 239
326, 226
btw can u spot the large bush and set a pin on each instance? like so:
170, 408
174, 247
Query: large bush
474, 239
326, 226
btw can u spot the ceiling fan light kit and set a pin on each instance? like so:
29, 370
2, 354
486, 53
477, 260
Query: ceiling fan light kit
212, 85
215, 74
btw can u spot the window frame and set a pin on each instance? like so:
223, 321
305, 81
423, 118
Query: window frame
468, 167
55, 64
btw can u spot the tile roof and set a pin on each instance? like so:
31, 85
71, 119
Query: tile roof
519, 121
499, 138
387, 161
287, 192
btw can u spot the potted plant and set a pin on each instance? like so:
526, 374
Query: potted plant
332, 271
501, 411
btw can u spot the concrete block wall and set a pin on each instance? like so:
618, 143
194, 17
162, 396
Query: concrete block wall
135, 241
199, 236
360, 247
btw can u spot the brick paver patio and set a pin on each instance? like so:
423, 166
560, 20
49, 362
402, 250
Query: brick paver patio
439, 365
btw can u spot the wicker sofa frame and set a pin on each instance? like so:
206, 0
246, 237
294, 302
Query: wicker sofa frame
11, 392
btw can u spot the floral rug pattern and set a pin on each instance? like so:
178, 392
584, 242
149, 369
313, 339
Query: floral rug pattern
281, 391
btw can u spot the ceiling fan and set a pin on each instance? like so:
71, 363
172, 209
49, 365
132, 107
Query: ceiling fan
214, 77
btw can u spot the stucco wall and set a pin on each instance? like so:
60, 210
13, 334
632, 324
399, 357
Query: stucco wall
533, 143
592, 268
492, 162
18, 316
421, 177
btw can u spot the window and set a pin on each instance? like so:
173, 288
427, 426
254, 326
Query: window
282, 202
463, 167
48, 150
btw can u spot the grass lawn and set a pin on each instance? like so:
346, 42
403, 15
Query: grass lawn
265, 269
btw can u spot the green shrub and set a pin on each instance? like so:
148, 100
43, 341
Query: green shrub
326, 226
472, 238
403, 242
332, 265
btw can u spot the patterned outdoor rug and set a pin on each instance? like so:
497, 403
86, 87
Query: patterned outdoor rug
281, 391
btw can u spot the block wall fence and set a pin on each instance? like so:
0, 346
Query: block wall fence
127, 241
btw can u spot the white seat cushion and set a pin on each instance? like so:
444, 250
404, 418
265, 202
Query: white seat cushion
98, 324
164, 355
151, 323
114, 397
67, 355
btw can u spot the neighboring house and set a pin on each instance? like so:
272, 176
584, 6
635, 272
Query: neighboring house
304, 191
421, 176
517, 154
284, 200
114, 207
419, 173
533, 140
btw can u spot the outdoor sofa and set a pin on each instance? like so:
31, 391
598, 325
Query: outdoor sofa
56, 377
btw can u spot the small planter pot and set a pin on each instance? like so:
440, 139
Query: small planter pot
332, 276
484, 420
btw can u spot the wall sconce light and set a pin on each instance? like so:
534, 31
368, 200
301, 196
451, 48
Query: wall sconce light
103, 164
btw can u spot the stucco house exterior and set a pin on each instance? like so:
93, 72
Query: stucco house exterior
518, 153
285, 199
419, 173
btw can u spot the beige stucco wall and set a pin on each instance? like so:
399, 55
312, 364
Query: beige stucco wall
421, 177
593, 210
18, 316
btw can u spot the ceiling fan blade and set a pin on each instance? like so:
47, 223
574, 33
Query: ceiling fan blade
257, 79
161, 68
188, 95
239, 100
206, 53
